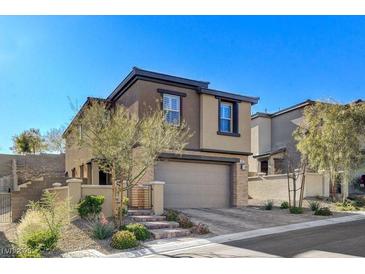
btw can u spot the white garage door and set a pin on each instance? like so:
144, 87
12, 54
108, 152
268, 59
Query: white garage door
194, 185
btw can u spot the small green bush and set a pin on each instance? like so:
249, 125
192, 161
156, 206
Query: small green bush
123, 240
139, 230
42, 241
171, 215
284, 205
296, 210
314, 205
90, 206
184, 221
102, 228
29, 253
269, 204
323, 211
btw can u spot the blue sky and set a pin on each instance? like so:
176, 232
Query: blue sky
284, 60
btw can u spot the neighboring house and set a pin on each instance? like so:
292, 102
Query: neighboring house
272, 137
213, 169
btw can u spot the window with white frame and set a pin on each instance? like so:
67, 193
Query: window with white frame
171, 107
226, 117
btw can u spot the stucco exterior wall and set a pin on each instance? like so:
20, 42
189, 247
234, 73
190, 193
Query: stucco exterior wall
105, 191
282, 128
260, 140
209, 139
275, 187
75, 157
143, 96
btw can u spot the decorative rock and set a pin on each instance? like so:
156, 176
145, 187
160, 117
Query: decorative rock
56, 184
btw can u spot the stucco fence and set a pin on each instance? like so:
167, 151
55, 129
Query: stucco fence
275, 187
75, 191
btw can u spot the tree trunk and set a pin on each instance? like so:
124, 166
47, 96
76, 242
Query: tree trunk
289, 190
302, 185
114, 194
294, 190
332, 187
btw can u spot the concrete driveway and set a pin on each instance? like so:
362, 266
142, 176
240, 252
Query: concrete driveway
231, 220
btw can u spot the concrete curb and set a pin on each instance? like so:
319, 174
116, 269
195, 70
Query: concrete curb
152, 249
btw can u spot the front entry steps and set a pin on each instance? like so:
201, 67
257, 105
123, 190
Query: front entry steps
165, 233
157, 225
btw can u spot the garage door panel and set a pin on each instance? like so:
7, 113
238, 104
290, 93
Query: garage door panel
192, 184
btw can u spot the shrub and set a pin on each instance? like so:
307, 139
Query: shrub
201, 229
284, 205
184, 221
171, 215
101, 228
139, 230
359, 202
347, 205
296, 210
41, 226
90, 206
314, 205
32, 222
42, 241
123, 240
323, 211
269, 204
29, 253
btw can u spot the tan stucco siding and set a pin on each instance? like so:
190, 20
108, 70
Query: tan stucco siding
209, 139
75, 157
143, 96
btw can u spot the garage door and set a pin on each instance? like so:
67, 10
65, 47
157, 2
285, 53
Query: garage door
194, 185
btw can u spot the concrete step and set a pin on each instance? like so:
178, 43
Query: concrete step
148, 218
169, 233
159, 225
140, 212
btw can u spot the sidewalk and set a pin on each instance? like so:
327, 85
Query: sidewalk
154, 248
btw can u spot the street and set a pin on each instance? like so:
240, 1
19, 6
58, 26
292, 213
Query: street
339, 240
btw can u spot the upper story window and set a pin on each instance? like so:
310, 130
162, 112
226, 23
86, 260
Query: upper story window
228, 117
171, 107
225, 117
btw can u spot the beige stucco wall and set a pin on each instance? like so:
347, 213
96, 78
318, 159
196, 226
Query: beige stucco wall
142, 96
75, 157
209, 139
260, 140
105, 191
275, 187
61, 192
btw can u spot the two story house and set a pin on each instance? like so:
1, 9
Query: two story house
272, 137
213, 169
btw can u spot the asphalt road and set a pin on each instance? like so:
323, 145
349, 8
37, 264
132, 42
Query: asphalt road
340, 240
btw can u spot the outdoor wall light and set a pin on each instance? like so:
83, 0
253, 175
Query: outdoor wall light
243, 165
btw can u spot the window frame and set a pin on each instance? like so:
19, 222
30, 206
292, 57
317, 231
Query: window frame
234, 117
177, 94
230, 119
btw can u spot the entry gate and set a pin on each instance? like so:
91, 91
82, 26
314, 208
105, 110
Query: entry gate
5, 207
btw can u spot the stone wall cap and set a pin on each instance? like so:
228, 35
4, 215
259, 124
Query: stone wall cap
155, 183
74, 180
